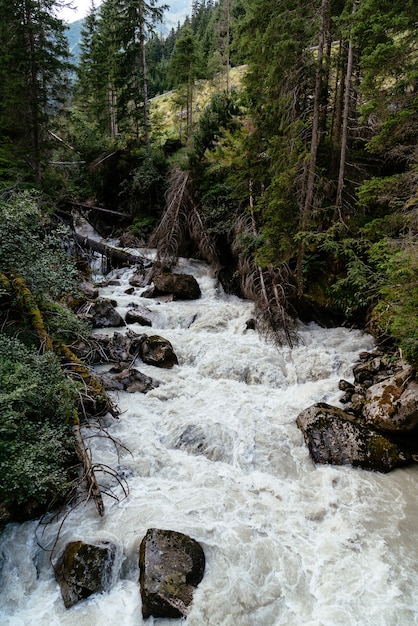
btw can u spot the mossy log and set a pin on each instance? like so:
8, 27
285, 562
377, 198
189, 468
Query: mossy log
30, 310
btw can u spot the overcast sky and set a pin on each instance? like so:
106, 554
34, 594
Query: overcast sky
81, 7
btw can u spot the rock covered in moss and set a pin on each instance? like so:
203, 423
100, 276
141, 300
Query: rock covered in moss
172, 565
334, 437
84, 569
392, 405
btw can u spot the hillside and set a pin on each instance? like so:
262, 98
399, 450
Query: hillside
164, 111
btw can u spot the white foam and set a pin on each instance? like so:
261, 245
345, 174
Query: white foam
215, 453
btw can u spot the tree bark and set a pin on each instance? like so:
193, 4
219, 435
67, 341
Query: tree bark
310, 187
345, 120
111, 253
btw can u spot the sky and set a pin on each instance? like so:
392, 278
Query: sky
81, 7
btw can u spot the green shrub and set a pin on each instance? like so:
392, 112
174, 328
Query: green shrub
35, 247
36, 409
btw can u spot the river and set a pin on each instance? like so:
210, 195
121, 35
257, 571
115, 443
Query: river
214, 452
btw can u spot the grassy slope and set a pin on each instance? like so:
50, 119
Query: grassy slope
165, 113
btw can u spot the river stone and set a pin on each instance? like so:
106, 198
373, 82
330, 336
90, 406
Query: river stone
180, 286
104, 315
333, 437
84, 569
128, 379
156, 350
138, 316
392, 405
171, 566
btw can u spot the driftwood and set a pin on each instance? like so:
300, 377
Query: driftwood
110, 252
90, 477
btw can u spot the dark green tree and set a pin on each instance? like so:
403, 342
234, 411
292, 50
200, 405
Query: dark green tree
185, 68
33, 65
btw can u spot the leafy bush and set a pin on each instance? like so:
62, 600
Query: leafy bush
396, 312
35, 247
36, 410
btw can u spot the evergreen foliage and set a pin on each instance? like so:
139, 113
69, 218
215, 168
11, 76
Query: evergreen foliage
33, 65
36, 411
35, 247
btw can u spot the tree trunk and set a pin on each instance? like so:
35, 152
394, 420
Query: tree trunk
111, 253
345, 120
310, 187
144, 76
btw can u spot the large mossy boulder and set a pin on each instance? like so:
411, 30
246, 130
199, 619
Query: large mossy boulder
335, 437
171, 565
156, 350
180, 286
84, 569
392, 404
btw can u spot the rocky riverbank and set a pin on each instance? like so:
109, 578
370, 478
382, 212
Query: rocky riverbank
378, 428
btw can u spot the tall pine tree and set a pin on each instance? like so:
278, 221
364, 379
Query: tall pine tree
33, 62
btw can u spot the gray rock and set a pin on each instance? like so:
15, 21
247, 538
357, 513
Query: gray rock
180, 286
104, 315
392, 405
156, 350
130, 380
138, 316
171, 565
334, 437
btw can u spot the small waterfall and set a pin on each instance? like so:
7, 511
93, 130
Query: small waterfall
214, 452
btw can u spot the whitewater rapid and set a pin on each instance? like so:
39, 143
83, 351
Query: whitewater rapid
214, 452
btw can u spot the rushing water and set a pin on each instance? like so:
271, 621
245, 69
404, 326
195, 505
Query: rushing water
215, 453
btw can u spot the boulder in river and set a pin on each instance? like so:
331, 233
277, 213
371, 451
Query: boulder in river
138, 315
334, 437
180, 286
129, 379
103, 314
172, 565
84, 569
156, 350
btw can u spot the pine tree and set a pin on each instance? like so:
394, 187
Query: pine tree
34, 59
185, 67
137, 22
94, 92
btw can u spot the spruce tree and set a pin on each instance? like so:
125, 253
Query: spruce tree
185, 68
33, 63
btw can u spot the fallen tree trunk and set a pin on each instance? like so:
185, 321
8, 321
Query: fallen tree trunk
110, 252
88, 207
89, 474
